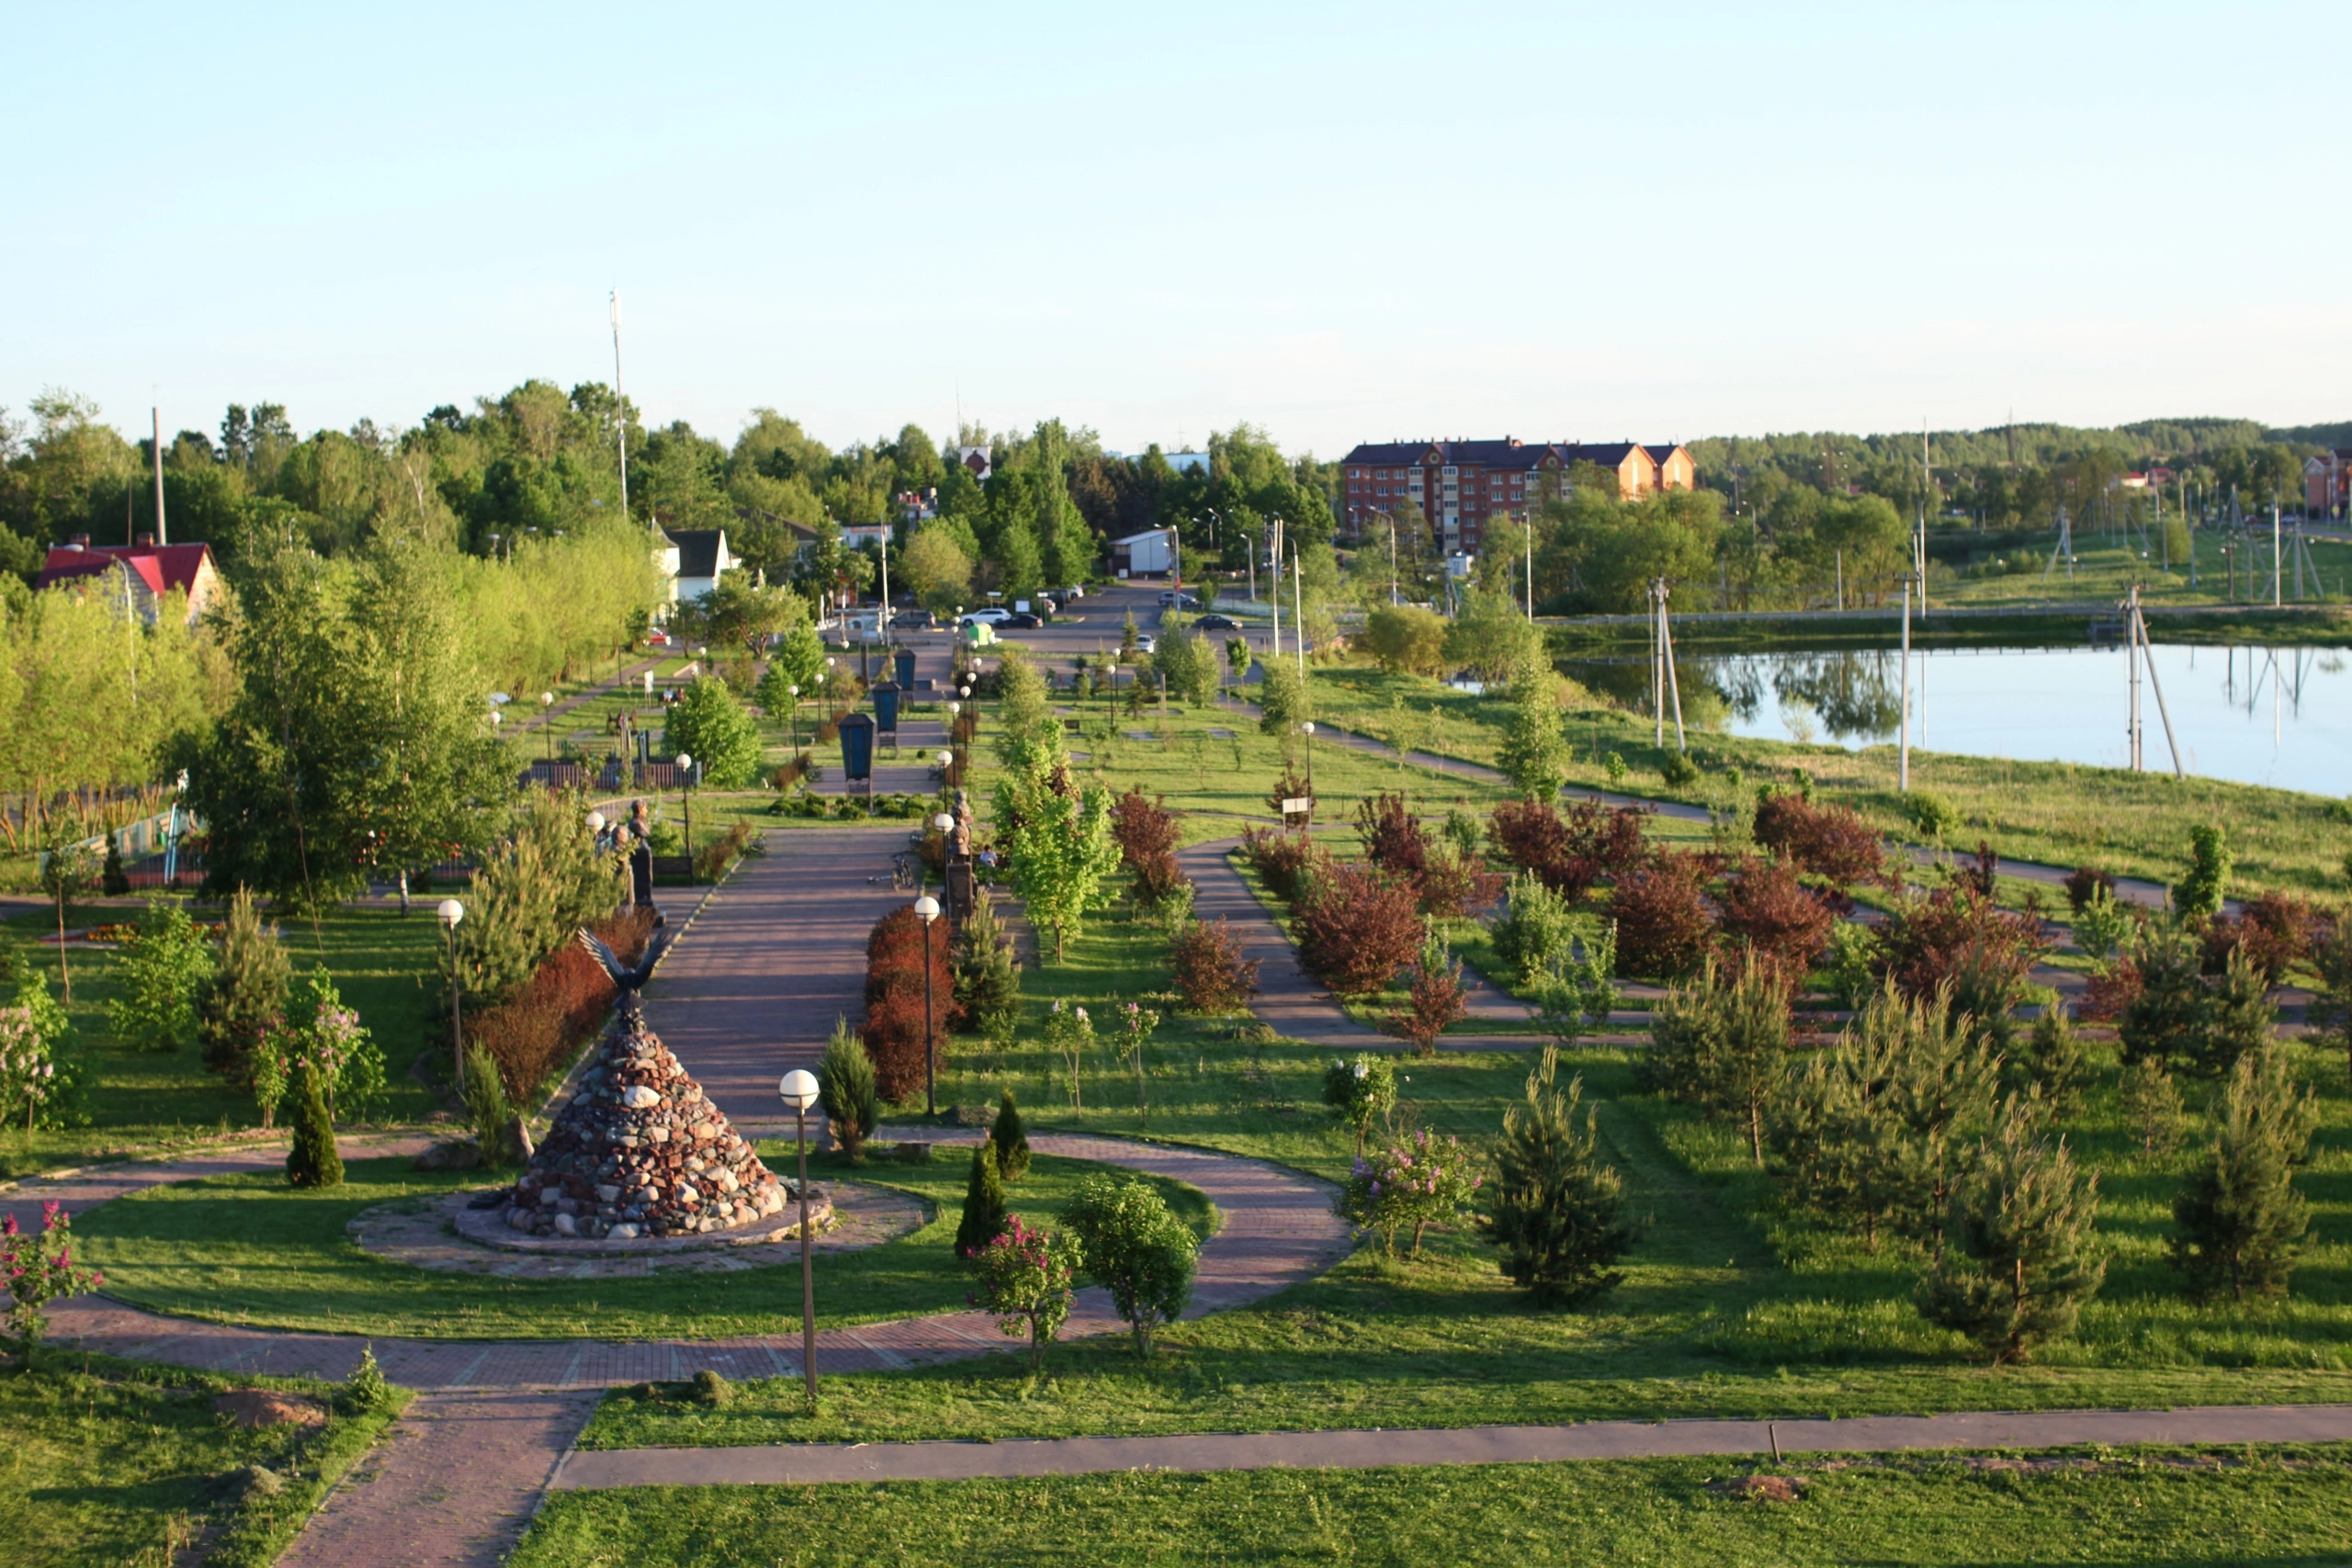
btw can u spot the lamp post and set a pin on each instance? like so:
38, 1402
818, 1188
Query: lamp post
450, 912
795, 717
954, 738
595, 825
547, 720
686, 801
1111, 698
1307, 729
798, 1088
927, 908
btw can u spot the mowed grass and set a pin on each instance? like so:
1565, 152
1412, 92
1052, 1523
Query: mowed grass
114, 1465
134, 1098
248, 1249
1729, 1305
2134, 1507
2058, 813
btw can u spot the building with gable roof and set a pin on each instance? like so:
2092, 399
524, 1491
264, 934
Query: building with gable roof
140, 577
1461, 486
691, 560
2327, 484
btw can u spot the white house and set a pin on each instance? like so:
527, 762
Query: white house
1148, 554
691, 560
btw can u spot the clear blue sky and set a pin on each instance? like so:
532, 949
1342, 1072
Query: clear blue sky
1339, 221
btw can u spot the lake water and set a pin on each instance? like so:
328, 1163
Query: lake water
2278, 716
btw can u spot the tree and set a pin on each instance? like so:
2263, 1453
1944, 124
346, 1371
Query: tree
1359, 1092
1010, 1140
2015, 1275
1406, 638
243, 1000
1210, 969
1575, 989
1663, 926
314, 1160
846, 1089
1534, 754
2185, 1020
1417, 1182
1493, 638
161, 970
1356, 928
2197, 896
1186, 661
1723, 1043
66, 871
1554, 1208
938, 568
1136, 1248
1434, 997
988, 971
40, 1072
709, 725
531, 893
1024, 1275
2330, 1013
1283, 699
1058, 845
792, 662
2240, 1224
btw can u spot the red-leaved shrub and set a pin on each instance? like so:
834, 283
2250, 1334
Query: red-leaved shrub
1281, 860
1452, 885
1393, 838
895, 1005
1356, 928
2277, 930
2082, 880
2112, 989
1782, 923
1664, 928
1924, 939
1607, 836
1146, 834
1434, 999
1211, 973
893, 1032
536, 1031
1827, 842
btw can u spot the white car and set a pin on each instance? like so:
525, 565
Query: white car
991, 617
1148, 643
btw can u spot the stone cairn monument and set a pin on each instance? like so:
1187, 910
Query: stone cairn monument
638, 1150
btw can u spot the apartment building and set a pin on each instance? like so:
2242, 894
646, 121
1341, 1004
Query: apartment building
1460, 485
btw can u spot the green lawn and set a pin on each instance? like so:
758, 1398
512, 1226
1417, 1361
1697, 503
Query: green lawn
249, 1249
382, 965
115, 1465
2113, 1509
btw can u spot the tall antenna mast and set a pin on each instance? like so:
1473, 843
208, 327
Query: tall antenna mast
156, 415
620, 405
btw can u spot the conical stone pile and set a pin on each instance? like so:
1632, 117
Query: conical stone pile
639, 1151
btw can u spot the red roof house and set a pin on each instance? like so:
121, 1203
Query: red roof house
144, 572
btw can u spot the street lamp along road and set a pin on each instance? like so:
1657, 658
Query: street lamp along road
927, 908
798, 1088
547, 720
449, 912
687, 798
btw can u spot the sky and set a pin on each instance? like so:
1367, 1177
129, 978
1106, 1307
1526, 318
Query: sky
1338, 223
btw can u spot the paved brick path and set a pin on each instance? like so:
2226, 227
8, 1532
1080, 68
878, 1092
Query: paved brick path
806, 1462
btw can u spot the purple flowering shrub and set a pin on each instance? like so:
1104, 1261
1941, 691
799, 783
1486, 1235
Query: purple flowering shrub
1025, 1279
1421, 1182
39, 1269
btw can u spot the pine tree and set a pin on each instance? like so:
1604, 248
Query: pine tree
2152, 1107
984, 1208
2015, 1275
314, 1160
2051, 1059
988, 971
1724, 1044
2241, 1224
1941, 1088
114, 881
2237, 1019
846, 1089
1011, 1141
245, 997
1554, 1208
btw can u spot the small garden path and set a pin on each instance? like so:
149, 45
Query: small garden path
805, 1463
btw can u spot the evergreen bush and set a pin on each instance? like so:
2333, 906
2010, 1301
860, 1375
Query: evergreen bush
313, 1161
986, 972
488, 1110
2017, 1271
243, 1000
1723, 1043
2197, 896
845, 1088
984, 1205
1554, 1208
2241, 1225
1010, 1140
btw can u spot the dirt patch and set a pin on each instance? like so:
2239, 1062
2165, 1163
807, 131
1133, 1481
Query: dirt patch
252, 1407
1759, 1489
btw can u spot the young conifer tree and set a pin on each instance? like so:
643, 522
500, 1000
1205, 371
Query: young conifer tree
1554, 1208
984, 1208
988, 971
1011, 1141
2241, 1225
2017, 1270
1723, 1043
847, 1088
2152, 1107
245, 997
314, 1161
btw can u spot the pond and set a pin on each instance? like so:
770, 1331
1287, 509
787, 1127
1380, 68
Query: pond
2278, 717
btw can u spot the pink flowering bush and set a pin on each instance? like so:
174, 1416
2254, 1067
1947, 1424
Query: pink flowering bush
39, 1269
1070, 1033
319, 1032
39, 1071
1419, 1182
1025, 1279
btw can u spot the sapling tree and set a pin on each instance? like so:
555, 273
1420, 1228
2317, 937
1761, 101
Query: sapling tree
1575, 990
1137, 1024
313, 1161
1359, 1092
66, 872
1434, 996
1534, 754
1070, 1033
2049, 1059
240, 1003
2197, 896
2330, 1012
2018, 1267
1723, 1043
1136, 1248
1419, 1181
2239, 1223
984, 1205
988, 971
161, 971
1554, 1208
1536, 926
847, 1089
1025, 1276
1010, 1140
2152, 1107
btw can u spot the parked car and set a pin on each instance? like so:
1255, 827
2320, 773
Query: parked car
657, 637
992, 616
1216, 623
915, 619
1147, 642
1021, 621
1075, 590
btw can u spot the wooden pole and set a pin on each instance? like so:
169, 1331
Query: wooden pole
1903, 753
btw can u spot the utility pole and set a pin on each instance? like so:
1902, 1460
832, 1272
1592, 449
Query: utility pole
156, 415
1274, 575
620, 404
2132, 660
2276, 578
1658, 675
1531, 572
1665, 660
1298, 611
1903, 753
